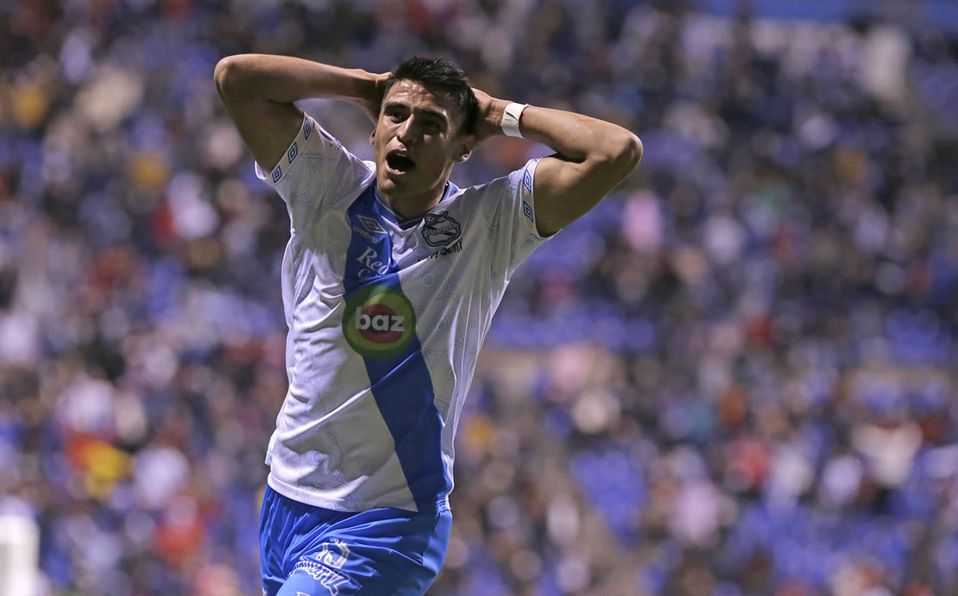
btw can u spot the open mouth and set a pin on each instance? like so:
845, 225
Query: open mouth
399, 162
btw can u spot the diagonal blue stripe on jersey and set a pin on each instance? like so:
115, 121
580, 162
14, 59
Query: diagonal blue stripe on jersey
379, 323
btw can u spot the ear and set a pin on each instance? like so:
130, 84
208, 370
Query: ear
466, 145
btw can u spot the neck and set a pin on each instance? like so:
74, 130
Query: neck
411, 207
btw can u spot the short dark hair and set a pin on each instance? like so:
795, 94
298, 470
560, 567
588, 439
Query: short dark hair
440, 76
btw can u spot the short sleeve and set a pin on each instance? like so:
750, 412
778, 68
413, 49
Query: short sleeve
315, 173
514, 221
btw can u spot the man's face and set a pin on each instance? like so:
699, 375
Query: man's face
417, 141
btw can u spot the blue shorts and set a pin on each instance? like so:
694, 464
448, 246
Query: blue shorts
315, 551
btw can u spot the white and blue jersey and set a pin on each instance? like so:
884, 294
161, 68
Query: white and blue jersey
386, 319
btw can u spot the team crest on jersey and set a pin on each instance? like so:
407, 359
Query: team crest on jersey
440, 229
379, 321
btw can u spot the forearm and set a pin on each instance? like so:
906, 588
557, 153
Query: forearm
592, 157
284, 79
574, 137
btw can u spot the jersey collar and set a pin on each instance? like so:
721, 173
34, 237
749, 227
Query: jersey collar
405, 224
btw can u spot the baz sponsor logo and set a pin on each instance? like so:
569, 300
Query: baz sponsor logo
379, 322
440, 229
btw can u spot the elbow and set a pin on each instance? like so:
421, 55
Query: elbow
622, 154
630, 152
224, 73
229, 74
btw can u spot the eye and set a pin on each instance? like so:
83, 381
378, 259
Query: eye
432, 127
395, 114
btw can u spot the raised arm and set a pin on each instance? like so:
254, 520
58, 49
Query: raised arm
259, 90
591, 158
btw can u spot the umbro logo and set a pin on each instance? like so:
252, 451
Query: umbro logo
371, 224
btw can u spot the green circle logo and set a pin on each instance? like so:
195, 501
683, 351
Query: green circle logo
379, 322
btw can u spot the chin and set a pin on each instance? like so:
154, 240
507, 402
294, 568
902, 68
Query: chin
385, 183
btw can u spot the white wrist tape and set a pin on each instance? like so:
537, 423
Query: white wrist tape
510, 119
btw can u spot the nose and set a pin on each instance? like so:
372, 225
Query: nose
408, 132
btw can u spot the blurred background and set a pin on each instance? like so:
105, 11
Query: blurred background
737, 375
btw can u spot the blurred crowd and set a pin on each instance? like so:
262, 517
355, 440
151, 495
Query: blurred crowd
735, 376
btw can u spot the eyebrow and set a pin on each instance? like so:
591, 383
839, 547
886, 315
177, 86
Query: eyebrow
423, 111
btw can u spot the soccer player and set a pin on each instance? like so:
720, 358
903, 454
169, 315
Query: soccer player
389, 281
